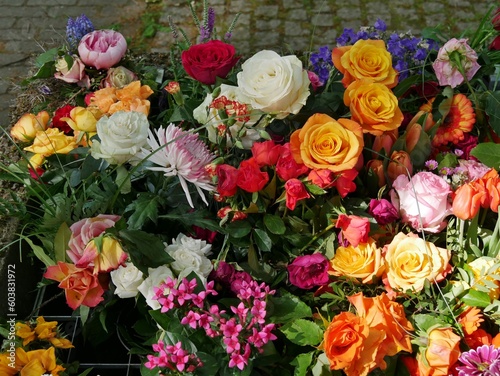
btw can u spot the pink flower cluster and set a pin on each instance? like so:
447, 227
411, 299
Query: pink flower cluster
241, 330
172, 357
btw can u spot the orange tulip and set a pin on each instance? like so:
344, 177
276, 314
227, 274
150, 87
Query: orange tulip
467, 201
400, 164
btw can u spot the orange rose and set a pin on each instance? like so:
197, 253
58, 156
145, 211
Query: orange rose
387, 317
363, 261
344, 339
325, 143
28, 125
441, 353
51, 141
365, 59
374, 106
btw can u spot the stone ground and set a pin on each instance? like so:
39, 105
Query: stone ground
27, 27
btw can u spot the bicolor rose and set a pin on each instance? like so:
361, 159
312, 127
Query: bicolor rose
28, 125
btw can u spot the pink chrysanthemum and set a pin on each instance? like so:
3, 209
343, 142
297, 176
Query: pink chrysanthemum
182, 154
483, 361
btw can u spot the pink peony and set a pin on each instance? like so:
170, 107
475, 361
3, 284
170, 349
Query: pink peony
422, 202
445, 66
102, 48
308, 271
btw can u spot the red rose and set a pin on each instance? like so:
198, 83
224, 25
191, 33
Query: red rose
344, 182
226, 176
496, 20
295, 191
250, 177
495, 45
61, 113
286, 167
308, 271
266, 153
322, 178
207, 61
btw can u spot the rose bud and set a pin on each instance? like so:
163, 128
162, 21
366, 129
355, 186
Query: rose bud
400, 164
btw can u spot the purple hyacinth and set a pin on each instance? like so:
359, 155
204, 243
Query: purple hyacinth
321, 62
207, 29
76, 29
483, 361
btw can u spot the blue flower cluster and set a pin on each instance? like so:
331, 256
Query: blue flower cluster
76, 29
408, 52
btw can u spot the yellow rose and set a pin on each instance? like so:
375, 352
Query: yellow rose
81, 119
365, 59
374, 106
410, 261
51, 141
484, 268
26, 127
364, 261
325, 143
36, 161
109, 257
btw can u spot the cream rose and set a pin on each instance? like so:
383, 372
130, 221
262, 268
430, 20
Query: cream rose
121, 136
155, 277
363, 261
410, 261
274, 84
190, 255
245, 131
126, 279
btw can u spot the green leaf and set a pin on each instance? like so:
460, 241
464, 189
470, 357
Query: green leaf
302, 363
84, 313
86, 372
476, 299
61, 242
286, 308
144, 208
274, 224
146, 250
303, 332
149, 372
238, 229
488, 153
492, 109
262, 240
210, 365
123, 180
47, 57
39, 252
46, 70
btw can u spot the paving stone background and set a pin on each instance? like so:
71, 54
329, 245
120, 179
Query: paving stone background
28, 27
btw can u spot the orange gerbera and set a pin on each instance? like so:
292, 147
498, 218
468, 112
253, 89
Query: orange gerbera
460, 120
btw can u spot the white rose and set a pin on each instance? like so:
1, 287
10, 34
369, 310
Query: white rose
126, 279
210, 117
190, 255
274, 84
156, 277
121, 136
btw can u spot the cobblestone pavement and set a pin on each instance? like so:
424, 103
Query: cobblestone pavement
27, 27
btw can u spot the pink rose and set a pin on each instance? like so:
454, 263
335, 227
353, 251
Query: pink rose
72, 70
308, 271
295, 191
354, 229
453, 52
102, 48
424, 198
86, 230
383, 211
315, 80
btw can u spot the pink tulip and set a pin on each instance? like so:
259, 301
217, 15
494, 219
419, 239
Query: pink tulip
102, 48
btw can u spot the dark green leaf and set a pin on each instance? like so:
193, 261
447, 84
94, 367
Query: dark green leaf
144, 208
238, 229
46, 70
262, 240
488, 153
274, 224
286, 308
492, 109
210, 365
61, 242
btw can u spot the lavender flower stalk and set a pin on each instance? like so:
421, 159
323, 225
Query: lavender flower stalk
76, 29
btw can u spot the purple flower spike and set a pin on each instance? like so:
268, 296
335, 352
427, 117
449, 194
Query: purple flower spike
483, 361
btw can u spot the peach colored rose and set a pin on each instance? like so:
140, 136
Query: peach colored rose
365, 59
80, 286
441, 353
374, 106
387, 317
51, 141
28, 125
325, 143
363, 261
410, 261
344, 339
353, 228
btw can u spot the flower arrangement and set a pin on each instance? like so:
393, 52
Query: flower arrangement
325, 213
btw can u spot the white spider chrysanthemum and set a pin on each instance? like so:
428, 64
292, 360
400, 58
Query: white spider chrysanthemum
182, 154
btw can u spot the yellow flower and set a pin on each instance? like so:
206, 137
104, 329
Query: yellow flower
26, 332
44, 329
365, 59
28, 125
484, 268
8, 364
364, 261
38, 362
374, 106
109, 257
81, 119
50, 142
